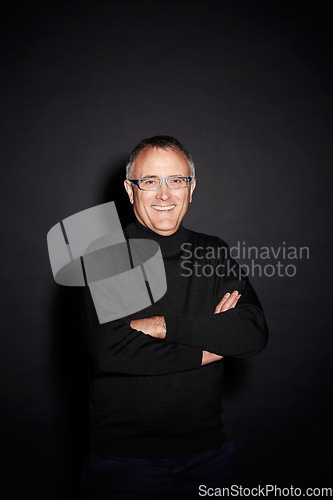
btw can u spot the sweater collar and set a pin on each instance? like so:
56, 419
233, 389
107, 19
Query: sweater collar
167, 243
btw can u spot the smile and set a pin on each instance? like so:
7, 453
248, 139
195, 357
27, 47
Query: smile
163, 209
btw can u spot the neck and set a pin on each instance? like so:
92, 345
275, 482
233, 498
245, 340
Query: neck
167, 243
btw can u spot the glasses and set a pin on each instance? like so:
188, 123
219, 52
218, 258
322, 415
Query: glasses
154, 183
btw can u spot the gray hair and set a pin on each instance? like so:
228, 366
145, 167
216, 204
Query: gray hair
159, 142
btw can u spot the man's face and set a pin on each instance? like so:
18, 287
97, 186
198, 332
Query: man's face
147, 205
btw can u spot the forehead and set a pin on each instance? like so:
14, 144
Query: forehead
160, 162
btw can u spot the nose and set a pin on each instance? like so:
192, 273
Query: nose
164, 192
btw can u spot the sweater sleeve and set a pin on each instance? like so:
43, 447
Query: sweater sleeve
240, 332
115, 347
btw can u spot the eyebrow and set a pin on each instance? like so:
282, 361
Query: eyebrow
157, 177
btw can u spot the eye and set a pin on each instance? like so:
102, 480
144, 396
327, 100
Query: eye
149, 182
178, 181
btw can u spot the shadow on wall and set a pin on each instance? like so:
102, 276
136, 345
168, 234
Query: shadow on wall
114, 190
70, 368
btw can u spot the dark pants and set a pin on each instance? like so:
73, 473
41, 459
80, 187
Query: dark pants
105, 477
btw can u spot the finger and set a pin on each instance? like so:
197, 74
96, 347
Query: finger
220, 304
228, 301
231, 302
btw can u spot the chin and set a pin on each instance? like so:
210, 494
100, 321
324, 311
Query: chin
165, 226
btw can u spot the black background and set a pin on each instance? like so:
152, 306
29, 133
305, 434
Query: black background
246, 86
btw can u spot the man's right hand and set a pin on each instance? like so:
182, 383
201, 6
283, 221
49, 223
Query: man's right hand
227, 302
209, 357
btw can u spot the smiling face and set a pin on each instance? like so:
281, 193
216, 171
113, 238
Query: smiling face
163, 210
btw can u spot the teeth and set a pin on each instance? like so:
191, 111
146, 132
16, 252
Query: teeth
158, 207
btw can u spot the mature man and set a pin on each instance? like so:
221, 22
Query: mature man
156, 377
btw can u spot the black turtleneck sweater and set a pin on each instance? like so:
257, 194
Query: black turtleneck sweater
151, 397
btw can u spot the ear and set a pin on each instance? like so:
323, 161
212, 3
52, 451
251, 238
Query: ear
129, 190
192, 188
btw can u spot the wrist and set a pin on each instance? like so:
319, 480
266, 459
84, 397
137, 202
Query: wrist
162, 327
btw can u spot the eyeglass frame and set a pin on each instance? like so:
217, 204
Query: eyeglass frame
137, 181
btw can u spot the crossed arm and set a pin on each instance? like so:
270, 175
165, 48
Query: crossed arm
117, 348
153, 325
135, 347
